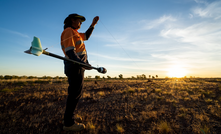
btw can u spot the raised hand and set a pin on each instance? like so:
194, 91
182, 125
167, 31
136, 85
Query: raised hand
95, 20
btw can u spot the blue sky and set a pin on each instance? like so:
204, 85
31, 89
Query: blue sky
172, 38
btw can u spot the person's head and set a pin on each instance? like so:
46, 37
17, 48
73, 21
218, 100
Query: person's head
74, 20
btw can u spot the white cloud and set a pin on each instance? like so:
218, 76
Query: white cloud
201, 1
15, 32
212, 10
116, 58
202, 34
155, 23
190, 16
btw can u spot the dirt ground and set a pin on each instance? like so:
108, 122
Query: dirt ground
173, 106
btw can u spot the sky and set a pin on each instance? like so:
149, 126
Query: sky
168, 38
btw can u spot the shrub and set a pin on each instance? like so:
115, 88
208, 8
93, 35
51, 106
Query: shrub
131, 90
119, 128
7, 77
164, 127
205, 129
101, 93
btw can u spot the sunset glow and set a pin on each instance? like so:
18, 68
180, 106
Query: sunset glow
177, 71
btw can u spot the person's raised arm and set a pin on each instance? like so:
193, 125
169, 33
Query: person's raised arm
91, 28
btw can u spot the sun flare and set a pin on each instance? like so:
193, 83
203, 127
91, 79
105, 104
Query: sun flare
177, 71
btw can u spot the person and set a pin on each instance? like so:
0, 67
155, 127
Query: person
73, 47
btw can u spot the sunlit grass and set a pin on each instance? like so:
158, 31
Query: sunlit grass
101, 93
164, 107
219, 99
164, 127
6, 89
158, 90
90, 126
119, 128
129, 90
208, 100
205, 129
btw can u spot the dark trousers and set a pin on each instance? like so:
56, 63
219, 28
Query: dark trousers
76, 81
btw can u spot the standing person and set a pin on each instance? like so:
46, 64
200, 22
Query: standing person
72, 44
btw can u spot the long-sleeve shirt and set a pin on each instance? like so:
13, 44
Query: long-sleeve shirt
72, 44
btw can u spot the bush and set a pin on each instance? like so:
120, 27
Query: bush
7, 77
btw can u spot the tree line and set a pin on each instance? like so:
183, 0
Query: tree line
143, 76
8, 77
120, 76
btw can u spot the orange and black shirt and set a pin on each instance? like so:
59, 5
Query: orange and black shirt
72, 44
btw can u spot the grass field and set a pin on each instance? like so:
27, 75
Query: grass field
167, 106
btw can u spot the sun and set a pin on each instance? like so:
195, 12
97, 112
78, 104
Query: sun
177, 71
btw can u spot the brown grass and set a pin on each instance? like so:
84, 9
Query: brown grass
116, 106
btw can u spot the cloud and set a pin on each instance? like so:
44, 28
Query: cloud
136, 67
212, 10
203, 32
190, 16
203, 35
116, 58
155, 23
201, 1
15, 32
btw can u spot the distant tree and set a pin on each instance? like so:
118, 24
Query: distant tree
15, 77
138, 76
56, 77
121, 76
7, 77
97, 77
24, 77
89, 77
133, 77
156, 76
149, 76
143, 76
108, 77
49, 77
153, 77
1, 77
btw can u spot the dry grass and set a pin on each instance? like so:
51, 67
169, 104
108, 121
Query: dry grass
119, 128
164, 127
162, 106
